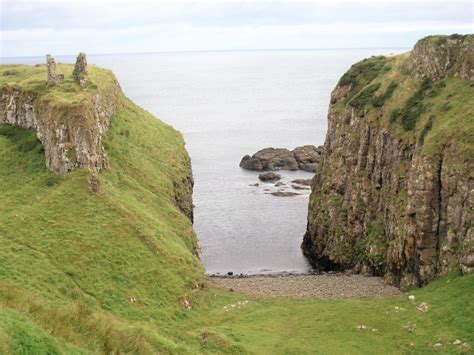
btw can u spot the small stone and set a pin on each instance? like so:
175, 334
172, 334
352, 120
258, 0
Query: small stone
230, 273
437, 345
412, 344
423, 307
466, 345
185, 302
457, 342
361, 327
269, 176
411, 298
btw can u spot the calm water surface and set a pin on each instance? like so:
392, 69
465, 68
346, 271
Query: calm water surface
228, 104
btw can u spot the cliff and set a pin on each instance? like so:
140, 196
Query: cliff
70, 121
393, 194
95, 214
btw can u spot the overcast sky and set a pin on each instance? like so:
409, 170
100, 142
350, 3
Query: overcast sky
30, 28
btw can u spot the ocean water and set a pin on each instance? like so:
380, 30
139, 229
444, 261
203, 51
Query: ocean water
228, 104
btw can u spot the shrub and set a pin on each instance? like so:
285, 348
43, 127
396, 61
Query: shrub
379, 100
414, 107
364, 96
363, 72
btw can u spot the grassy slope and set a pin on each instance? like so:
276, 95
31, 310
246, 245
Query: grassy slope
70, 261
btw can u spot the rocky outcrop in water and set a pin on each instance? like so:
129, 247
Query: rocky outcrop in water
71, 130
394, 192
304, 158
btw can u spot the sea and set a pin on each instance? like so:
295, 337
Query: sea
228, 104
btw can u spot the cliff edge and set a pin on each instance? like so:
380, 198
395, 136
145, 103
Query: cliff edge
394, 192
70, 120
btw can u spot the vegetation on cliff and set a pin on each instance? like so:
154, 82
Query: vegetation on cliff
393, 194
107, 263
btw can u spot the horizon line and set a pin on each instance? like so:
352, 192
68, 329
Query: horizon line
214, 50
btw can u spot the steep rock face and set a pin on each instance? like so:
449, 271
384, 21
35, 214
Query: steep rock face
393, 193
439, 56
70, 133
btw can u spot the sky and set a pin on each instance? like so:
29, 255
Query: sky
34, 28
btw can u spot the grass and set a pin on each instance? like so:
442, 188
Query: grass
105, 272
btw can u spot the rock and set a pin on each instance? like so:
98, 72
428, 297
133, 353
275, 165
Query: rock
361, 327
230, 273
94, 183
251, 163
436, 57
423, 307
437, 345
279, 183
270, 159
367, 165
411, 298
305, 182
53, 76
256, 184
71, 138
185, 302
308, 157
271, 176
284, 193
457, 342
297, 187
80, 74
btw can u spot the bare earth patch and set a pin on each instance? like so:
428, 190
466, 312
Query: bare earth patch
314, 285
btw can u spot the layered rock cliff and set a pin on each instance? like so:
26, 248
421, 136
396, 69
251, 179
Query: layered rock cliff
393, 194
70, 121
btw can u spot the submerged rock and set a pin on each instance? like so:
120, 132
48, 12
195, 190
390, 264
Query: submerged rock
284, 193
305, 182
269, 176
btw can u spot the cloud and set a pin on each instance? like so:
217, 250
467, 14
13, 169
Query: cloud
38, 27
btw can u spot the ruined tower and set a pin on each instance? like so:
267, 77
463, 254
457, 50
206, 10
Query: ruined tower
80, 70
53, 76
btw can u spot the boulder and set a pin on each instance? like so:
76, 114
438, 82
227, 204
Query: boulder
269, 176
308, 157
305, 158
270, 159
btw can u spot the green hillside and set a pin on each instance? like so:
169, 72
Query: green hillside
108, 272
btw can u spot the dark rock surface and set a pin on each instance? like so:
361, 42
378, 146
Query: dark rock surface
308, 157
304, 158
284, 193
270, 159
305, 182
270, 176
